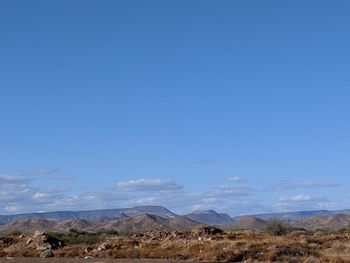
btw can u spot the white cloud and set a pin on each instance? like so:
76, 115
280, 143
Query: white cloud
23, 194
41, 196
206, 161
12, 179
14, 208
40, 172
307, 184
301, 198
63, 178
140, 185
224, 191
304, 202
237, 179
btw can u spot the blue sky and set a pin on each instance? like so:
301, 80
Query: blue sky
237, 106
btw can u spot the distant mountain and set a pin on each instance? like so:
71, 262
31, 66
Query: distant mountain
115, 217
150, 222
183, 222
153, 210
297, 216
210, 217
249, 222
142, 222
30, 225
325, 222
74, 223
135, 223
90, 215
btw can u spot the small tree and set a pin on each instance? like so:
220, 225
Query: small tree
126, 230
275, 227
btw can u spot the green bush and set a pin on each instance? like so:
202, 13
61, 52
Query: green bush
11, 233
74, 236
126, 230
275, 227
108, 232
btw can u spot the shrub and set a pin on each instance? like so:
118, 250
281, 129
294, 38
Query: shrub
126, 230
11, 233
275, 227
73, 237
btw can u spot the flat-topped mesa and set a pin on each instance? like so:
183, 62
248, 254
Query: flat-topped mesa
210, 217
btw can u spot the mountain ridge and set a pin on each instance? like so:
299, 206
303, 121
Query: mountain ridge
209, 217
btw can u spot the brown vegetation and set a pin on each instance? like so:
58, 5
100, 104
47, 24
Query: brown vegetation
201, 244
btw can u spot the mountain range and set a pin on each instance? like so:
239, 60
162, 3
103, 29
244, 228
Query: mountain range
126, 224
147, 217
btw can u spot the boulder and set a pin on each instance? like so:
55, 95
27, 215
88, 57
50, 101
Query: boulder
102, 246
42, 242
46, 254
208, 230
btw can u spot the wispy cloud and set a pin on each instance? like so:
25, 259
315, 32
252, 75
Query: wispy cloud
224, 191
237, 179
144, 185
303, 202
301, 198
206, 161
306, 184
20, 193
14, 208
63, 178
41, 172
12, 179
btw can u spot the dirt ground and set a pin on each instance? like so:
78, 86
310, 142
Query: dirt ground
81, 260
199, 246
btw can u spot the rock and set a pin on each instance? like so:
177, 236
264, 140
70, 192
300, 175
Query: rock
43, 247
6, 241
102, 246
29, 241
42, 241
303, 241
87, 250
209, 230
38, 234
46, 254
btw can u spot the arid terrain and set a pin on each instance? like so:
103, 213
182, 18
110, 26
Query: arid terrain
136, 235
81, 260
201, 244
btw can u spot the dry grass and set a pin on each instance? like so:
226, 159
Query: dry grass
235, 246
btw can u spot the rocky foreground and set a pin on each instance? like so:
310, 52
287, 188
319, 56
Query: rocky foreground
208, 244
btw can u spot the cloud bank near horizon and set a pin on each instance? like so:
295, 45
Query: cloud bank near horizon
20, 193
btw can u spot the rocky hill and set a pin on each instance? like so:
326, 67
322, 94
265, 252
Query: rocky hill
142, 217
249, 222
210, 217
325, 222
297, 215
90, 215
135, 223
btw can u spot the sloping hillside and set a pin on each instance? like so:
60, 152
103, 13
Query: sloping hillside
30, 225
90, 215
249, 222
325, 222
124, 225
210, 217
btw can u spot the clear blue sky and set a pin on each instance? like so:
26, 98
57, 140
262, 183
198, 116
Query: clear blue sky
238, 106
